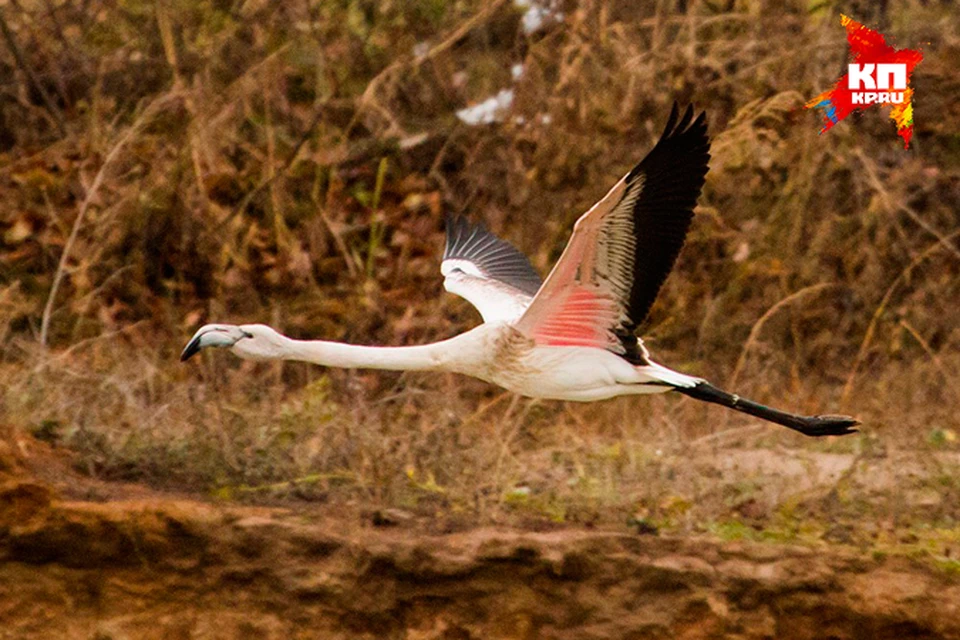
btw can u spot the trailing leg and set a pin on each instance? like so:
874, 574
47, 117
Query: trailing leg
826, 425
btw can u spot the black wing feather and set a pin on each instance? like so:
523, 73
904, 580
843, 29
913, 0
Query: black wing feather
496, 258
673, 174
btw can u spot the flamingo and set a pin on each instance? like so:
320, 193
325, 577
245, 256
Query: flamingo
572, 336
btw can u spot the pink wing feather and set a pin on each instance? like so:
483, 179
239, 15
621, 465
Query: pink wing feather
574, 308
623, 248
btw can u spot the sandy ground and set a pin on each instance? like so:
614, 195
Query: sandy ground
140, 564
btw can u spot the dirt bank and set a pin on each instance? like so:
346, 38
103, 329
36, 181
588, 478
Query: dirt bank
154, 567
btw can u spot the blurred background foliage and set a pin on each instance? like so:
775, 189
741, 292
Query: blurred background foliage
172, 162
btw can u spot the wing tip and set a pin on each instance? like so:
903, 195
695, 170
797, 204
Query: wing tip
682, 134
459, 230
687, 125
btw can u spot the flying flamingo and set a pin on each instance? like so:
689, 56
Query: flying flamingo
572, 336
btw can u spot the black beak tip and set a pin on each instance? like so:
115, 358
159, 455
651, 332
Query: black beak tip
192, 348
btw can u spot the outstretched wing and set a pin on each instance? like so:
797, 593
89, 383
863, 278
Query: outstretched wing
489, 272
623, 248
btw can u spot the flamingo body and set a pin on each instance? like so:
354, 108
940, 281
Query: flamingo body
572, 336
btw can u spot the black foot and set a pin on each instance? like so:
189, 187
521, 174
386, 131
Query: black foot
817, 426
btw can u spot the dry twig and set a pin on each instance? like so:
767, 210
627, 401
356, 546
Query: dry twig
872, 327
755, 330
151, 110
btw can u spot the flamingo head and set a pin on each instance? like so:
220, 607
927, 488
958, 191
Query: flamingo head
249, 341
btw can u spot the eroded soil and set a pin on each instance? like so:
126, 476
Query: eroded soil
146, 565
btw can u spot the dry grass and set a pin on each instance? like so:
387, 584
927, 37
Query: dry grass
291, 163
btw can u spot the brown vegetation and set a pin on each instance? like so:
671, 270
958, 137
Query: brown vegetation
167, 163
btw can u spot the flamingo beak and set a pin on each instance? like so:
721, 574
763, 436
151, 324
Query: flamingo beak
193, 347
212, 335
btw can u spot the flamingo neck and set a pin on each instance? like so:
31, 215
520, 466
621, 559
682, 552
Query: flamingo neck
430, 357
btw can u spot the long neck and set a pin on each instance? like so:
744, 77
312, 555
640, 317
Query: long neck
430, 357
